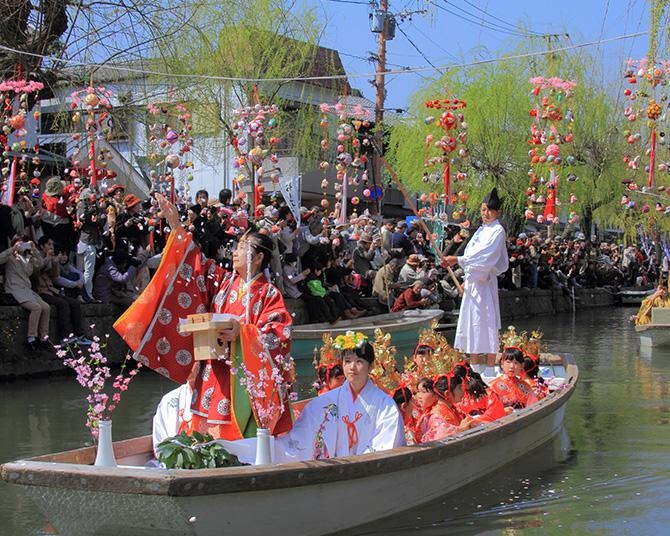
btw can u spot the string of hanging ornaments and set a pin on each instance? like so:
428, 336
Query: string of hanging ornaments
445, 152
255, 149
15, 98
647, 159
171, 144
551, 133
351, 134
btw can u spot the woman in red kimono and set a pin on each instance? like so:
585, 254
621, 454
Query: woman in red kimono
186, 283
514, 393
478, 401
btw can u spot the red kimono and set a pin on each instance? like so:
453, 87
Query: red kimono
186, 283
438, 422
540, 388
488, 408
513, 392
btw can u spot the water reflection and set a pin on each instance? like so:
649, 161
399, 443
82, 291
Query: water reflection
616, 478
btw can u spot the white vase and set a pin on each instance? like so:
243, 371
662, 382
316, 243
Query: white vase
105, 454
263, 456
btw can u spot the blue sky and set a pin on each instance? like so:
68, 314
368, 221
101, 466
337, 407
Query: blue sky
448, 38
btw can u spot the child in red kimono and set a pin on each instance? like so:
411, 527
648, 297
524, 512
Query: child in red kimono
513, 392
531, 369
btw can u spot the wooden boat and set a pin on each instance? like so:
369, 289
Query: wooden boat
306, 498
403, 326
657, 332
634, 296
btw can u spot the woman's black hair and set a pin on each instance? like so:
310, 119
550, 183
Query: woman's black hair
290, 257
262, 243
446, 384
476, 385
512, 354
426, 382
530, 366
402, 395
462, 369
324, 374
225, 195
366, 351
201, 192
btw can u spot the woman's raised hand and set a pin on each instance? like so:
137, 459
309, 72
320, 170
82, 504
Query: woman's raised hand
168, 211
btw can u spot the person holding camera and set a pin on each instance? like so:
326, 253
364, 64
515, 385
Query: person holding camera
21, 263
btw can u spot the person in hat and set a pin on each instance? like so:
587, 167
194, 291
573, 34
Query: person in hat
356, 418
56, 217
410, 272
483, 260
362, 256
131, 224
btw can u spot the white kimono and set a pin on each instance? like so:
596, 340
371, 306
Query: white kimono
335, 424
484, 259
173, 410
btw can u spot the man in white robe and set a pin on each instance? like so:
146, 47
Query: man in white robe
484, 259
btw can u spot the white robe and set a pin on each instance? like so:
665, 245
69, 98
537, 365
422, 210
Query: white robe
173, 409
484, 259
321, 430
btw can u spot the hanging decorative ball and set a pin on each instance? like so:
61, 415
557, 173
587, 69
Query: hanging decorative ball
17, 121
553, 150
325, 203
91, 100
366, 193
529, 214
540, 218
355, 200
172, 160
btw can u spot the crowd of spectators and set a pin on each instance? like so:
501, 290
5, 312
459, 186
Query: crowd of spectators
74, 244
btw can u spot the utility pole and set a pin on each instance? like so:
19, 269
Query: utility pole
380, 97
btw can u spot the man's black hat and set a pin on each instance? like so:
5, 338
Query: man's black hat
493, 201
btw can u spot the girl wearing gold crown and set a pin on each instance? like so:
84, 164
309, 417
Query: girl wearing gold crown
355, 418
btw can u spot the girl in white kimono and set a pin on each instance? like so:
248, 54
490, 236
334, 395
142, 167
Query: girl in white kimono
484, 259
355, 418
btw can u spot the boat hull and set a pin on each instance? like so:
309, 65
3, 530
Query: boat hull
404, 329
307, 498
652, 336
634, 297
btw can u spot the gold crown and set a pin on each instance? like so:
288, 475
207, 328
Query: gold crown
530, 344
384, 371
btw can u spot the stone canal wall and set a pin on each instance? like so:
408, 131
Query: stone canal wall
17, 361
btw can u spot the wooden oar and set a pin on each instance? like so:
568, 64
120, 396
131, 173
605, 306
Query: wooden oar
427, 232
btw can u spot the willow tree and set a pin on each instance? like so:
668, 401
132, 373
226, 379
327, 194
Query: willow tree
238, 45
498, 103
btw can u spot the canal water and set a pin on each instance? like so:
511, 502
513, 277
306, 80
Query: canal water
609, 472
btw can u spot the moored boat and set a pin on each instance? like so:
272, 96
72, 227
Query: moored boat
307, 498
634, 296
403, 326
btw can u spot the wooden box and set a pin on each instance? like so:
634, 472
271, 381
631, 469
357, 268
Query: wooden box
660, 315
205, 327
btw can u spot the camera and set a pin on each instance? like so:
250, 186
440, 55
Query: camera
25, 246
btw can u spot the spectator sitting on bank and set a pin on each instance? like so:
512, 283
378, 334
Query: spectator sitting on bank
112, 278
363, 255
399, 239
70, 280
56, 217
292, 276
410, 298
20, 263
320, 308
410, 272
68, 310
385, 282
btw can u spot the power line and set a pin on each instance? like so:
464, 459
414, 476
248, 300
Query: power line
480, 23
357, 2
496, 18
419, 50
121, 68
